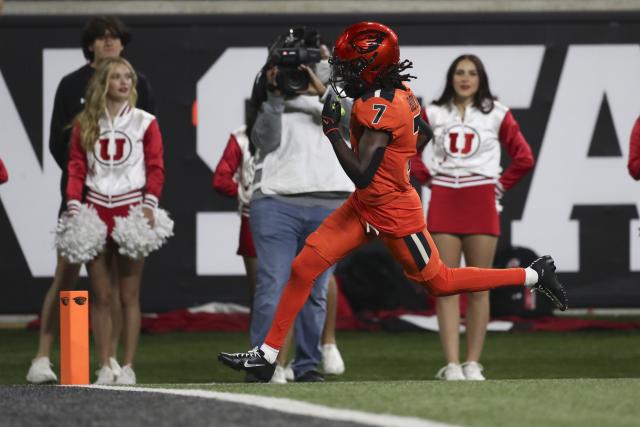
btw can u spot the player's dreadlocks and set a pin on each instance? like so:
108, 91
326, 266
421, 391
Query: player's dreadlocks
392, 79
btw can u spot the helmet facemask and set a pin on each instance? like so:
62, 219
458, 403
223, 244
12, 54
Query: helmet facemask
346, 77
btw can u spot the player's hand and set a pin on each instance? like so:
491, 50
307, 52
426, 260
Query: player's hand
331, 114
149, 215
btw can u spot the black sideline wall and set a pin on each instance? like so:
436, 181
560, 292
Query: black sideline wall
573, 81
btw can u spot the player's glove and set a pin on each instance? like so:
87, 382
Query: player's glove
331, 114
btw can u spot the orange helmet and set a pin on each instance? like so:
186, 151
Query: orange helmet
363, 54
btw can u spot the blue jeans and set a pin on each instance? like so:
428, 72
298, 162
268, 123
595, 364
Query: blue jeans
279, 231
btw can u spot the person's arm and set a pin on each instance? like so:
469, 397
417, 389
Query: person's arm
4, 175
516, 145
77, 170
634, 152
229, 163
267, 130
154, 164
316, 87
425, 134
347, 105
59, 131
419, 170
362, 167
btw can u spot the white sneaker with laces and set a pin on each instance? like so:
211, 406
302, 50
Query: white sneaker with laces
278, 376
332, 363
126, 376
115, 366
40, 371
473, 371
451, 372
105, 376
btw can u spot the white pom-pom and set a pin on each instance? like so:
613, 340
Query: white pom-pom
136, 238
81, 237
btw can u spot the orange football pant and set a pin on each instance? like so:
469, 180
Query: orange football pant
342, 232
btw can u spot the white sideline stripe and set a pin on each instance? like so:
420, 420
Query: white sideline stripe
290, 406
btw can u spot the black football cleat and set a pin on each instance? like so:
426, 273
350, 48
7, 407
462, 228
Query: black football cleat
253, 362
548, 283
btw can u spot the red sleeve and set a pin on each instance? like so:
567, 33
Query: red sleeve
519, 150
419, 170
4, 175
634, 151
76, 167
154, 164
229, 163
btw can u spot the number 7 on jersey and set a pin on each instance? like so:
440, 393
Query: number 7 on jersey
380, 108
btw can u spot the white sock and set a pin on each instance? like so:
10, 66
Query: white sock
270, 353
530, 277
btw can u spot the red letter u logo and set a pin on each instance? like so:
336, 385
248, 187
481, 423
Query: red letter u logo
104, 146
453, 138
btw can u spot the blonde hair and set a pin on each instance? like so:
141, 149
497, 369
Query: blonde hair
96, 99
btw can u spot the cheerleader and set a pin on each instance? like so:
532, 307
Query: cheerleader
115, 163
470, 127
102, 37
233, 177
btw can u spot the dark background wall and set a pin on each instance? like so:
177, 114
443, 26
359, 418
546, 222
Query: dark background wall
174, 52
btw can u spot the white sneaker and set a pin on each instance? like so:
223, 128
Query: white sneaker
40, 371
288, 372
115, 366
332, 363
278, 376
126, 376
105, 376
451, 372
473, 371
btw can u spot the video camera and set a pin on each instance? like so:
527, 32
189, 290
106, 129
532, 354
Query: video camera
298, 46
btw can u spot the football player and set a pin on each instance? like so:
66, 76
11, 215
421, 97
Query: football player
386, 130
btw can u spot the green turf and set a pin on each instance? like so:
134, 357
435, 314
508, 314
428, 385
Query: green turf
581, 378
561, 402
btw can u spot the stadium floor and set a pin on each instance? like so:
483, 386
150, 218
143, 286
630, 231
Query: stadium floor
552, 379
28, 405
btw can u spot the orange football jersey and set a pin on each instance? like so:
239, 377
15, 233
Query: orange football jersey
389, 202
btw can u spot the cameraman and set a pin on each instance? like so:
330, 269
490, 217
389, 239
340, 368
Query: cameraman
292, 195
